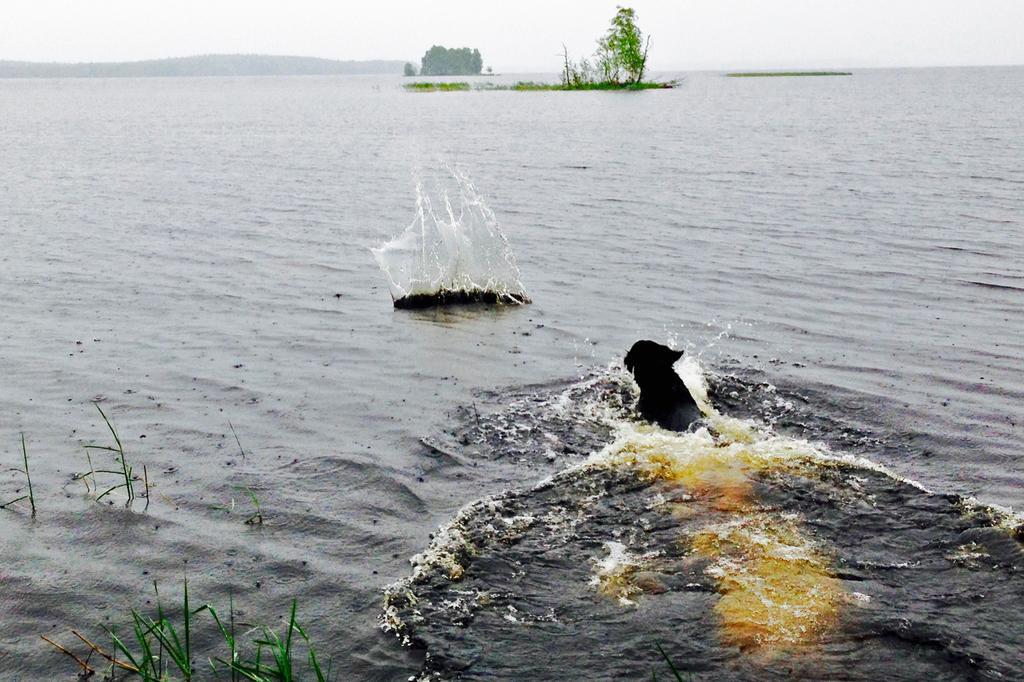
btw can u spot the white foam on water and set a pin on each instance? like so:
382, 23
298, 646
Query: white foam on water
613, 573
616, 559
1002, 516
458, 248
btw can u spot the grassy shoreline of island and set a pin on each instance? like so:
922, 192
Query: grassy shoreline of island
528, 86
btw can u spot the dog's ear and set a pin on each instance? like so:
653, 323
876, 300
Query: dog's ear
649, 354
668, 355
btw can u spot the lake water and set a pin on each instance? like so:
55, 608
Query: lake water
845, 256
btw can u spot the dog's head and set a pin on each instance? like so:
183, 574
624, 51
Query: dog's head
648, 357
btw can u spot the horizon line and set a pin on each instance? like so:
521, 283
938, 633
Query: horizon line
523, 70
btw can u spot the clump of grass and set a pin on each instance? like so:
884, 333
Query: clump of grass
785, 74
281, 663
432, 86
125, 472
161, 648
255, 518
28, 477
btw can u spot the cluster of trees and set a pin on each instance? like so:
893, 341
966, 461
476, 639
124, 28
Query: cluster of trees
621, 57
619, 62
443, 61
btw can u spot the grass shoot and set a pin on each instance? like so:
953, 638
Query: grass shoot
28, 477
240, 450
125, 471
255, 518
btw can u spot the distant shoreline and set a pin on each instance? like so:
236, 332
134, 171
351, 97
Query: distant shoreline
785, 74
202, 65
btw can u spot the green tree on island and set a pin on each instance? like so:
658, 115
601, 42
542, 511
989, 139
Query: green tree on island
443, 61
623, 47
620, 60
409, 69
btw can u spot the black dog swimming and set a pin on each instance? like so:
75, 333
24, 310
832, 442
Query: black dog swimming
664, 398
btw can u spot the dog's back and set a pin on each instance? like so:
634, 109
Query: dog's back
664, 398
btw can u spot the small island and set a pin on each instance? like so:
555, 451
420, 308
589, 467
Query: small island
443, 61
619, 63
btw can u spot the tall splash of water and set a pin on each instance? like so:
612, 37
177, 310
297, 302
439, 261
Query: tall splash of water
459, 256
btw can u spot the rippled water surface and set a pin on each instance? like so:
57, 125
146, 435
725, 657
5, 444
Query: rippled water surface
845, 256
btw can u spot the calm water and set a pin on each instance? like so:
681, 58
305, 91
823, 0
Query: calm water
190, 253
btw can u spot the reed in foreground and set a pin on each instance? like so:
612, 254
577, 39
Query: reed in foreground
28, 477
160, 648
124, 472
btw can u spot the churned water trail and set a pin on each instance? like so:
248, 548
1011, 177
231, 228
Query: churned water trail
748, 552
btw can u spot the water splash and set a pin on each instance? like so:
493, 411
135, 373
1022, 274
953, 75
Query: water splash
456, 255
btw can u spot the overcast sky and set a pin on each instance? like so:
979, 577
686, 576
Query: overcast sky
524, 35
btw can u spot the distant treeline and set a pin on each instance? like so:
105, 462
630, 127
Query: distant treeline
202, 65
456, 61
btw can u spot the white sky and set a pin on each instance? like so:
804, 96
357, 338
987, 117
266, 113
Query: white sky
524, 35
